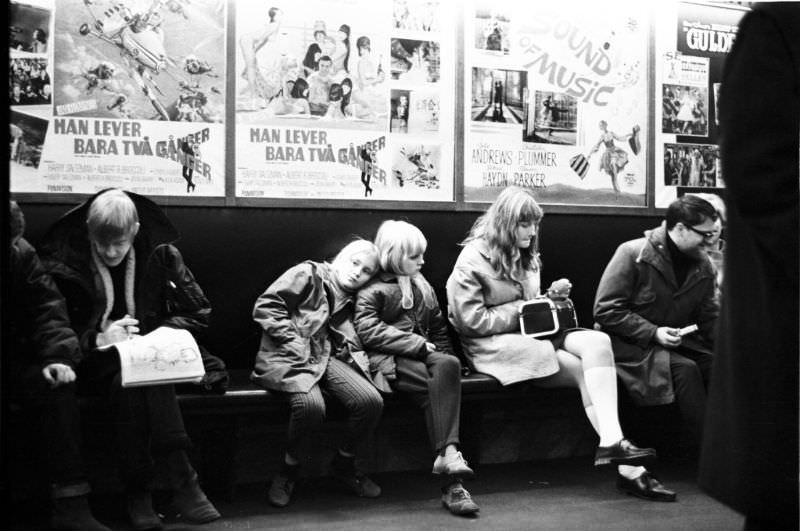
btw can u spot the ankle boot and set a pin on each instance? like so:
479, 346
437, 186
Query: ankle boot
73, 514
189, 499
139, 504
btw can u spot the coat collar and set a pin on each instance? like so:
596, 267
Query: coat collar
337, 297
482, 246
385, 276
655, 253
67, 241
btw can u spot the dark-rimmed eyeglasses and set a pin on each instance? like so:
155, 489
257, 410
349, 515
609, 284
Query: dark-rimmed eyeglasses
706, 234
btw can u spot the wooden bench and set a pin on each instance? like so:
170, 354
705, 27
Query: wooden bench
239, 436
228, 430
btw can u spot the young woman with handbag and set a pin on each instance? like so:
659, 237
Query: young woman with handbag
497, 271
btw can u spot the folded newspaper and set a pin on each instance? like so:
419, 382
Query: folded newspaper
164, 356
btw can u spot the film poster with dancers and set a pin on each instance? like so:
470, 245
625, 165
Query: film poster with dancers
124, 98
691, 43
556, 101
340, 99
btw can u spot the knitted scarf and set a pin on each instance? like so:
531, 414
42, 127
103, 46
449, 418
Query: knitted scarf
108, 284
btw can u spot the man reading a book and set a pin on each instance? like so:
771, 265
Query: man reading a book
112, 257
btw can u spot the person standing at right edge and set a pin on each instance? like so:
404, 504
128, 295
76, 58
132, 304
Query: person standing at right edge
749, 459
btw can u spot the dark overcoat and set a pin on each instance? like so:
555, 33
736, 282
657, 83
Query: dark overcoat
637, 294
750, 452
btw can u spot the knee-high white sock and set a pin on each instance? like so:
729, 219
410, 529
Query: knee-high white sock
601, 384
631, 472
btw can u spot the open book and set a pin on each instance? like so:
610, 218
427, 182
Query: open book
164, 356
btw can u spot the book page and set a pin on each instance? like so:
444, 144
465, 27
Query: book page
165, 355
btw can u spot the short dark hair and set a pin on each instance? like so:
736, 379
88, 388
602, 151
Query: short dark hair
363, 42
689, 210
299, 88
335, 92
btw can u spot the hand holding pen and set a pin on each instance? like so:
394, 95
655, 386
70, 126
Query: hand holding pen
117, 331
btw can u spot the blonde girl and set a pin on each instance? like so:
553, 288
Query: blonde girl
402, 328
307, 339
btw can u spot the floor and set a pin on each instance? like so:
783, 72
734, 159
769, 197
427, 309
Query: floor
562, 495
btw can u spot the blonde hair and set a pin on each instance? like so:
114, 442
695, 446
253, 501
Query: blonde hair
358, 246
498, 227
111, 215
397, 240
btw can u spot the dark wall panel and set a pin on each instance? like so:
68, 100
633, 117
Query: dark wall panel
236, 252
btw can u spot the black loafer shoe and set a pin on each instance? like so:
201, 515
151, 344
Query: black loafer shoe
645, 486
623, 452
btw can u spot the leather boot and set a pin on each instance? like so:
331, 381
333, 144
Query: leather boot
189, 500
73, 514
139, 504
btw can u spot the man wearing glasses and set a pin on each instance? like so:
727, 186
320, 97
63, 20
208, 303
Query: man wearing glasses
651, 293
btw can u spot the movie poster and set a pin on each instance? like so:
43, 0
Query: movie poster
692, 42
340, 99
556, 101
133, 104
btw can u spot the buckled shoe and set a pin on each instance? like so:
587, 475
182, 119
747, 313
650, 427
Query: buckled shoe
624, 452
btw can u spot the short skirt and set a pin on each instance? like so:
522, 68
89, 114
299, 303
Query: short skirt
558, 339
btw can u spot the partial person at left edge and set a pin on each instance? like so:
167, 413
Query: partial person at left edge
40, 362
114, 260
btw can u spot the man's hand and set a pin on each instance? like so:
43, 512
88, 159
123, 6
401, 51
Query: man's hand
667, 336
430, 347
58, 374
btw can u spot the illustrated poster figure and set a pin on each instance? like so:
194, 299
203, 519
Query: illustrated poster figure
366, 169
258, 87
613, 159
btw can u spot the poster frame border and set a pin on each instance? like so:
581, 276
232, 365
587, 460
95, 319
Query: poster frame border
456, 204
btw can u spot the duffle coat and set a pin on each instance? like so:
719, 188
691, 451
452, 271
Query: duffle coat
637, 294
483, 307
296, 340
165, 291
387, 330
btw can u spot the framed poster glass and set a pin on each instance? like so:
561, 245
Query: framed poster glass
345, 100
692, 41
120, 97
556, 101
